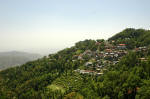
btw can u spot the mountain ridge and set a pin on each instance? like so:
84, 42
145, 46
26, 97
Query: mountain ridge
92, 69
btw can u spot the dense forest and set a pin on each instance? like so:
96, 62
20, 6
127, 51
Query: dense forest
117, 68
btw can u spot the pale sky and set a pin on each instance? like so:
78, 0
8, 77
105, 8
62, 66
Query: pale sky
46, 26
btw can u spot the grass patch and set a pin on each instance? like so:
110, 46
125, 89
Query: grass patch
54, 87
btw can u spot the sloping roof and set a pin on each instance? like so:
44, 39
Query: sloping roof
122, 44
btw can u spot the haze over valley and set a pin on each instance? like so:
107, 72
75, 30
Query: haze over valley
15, 58
74, 49
45, 27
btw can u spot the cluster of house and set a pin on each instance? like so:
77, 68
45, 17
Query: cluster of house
142, 49
90, 72
98, 60
143, 59
139, 49
113, 52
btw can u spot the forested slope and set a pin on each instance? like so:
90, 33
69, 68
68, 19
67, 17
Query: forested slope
133, 37
88, 70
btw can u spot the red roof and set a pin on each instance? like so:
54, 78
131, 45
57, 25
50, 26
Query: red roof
97, 43
122, 44
129, 91
136, 48
108, 49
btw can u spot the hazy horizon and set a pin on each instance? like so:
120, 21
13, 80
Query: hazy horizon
46, 26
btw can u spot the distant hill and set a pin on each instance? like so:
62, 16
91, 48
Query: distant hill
14, 58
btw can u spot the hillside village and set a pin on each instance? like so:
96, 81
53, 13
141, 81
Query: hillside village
117, 68
98, 61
